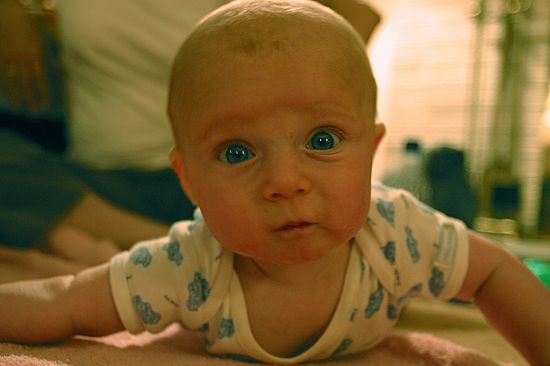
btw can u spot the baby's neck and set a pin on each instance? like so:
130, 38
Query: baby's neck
303, 276
289, 307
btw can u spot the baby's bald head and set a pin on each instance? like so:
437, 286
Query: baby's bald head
257, 28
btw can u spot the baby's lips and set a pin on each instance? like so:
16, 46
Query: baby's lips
294, 225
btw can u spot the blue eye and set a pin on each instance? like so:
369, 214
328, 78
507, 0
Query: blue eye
236, 153
323, 140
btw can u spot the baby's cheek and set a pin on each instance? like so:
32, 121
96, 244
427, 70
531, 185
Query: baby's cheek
353, 207
235, 231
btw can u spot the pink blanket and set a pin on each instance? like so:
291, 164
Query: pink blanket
447, 336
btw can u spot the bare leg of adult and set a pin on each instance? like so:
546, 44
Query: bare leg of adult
103, 221
19, 265
91, 233
80, 247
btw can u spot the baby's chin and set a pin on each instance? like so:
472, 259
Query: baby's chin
290, 259
278, 261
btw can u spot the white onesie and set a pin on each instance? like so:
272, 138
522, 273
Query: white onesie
405, 249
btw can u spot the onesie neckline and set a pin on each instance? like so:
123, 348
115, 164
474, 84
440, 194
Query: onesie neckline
331, 337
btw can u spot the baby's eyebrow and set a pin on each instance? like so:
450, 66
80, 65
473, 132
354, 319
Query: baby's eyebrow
234, 123
222, 127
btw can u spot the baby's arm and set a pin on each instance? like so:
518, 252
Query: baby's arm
59, 307
510, 297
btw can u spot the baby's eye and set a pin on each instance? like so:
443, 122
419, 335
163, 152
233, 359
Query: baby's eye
323, 140
235, 153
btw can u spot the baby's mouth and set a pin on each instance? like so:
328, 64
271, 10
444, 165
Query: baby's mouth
294, 226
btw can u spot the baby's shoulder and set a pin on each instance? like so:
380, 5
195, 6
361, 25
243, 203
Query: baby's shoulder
405, 229
411, 237
188, 247
194, 239
396, 208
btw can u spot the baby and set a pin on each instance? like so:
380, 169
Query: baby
294, 256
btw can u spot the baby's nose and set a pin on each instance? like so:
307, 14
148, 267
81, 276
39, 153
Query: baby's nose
285, 178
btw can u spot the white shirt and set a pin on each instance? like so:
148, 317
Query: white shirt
117, 57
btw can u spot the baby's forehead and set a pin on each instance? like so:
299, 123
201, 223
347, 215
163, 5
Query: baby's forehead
266, 28
252, 29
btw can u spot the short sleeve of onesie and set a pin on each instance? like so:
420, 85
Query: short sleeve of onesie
406, 249
169, 279
426, 250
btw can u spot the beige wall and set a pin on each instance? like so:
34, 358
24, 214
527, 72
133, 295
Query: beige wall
423, 55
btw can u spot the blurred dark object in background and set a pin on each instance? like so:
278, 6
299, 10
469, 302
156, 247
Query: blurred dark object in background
44, 125
409, 174
438, 178
450, 187
48, 133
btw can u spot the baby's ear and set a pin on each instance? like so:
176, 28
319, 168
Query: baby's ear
379, 133
179, 169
